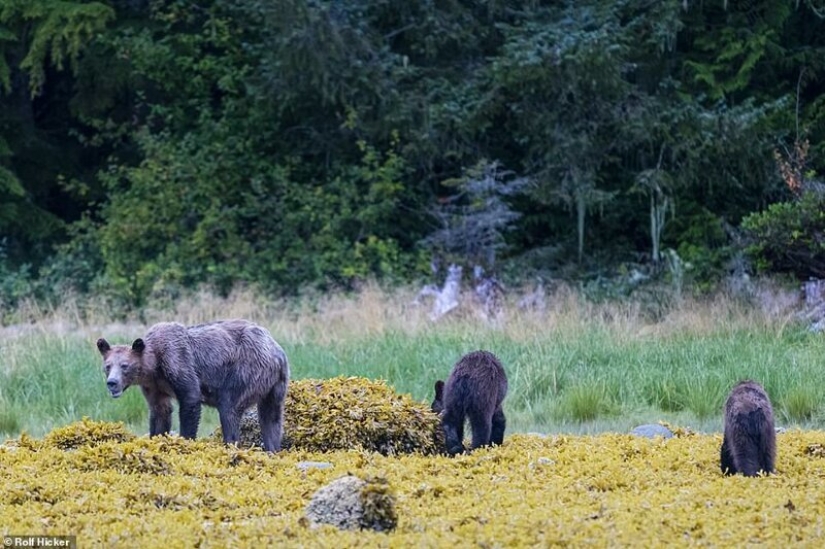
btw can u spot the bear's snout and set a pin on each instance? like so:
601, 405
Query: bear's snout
114, 388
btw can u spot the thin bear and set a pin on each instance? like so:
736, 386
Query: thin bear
229, 364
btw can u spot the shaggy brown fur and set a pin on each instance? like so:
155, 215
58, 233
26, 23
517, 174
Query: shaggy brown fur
475, 390
230, 365
749, 442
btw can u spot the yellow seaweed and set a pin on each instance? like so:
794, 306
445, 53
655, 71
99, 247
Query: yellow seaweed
605, 490
350, 412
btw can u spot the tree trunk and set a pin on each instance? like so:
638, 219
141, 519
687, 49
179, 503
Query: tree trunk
581, 212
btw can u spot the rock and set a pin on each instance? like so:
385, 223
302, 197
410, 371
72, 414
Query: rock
350, 503
542, 462
652, 431
304, 465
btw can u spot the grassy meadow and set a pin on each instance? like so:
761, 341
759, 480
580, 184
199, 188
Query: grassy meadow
576, 367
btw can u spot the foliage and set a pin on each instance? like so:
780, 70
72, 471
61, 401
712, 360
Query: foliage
300, 143
574, 60
57, 33
39, 39
258, 229
729, 56
473, 221
789, 237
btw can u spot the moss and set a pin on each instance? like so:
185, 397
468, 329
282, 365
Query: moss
350, 412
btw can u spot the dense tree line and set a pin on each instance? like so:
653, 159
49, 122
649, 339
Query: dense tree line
159, 144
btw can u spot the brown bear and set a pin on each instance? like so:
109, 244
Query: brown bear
749, 441
230, 365
475, 390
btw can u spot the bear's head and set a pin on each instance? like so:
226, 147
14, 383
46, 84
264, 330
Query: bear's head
122, 364
438, 403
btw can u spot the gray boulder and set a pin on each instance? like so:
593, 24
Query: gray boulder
652, 431
350, 503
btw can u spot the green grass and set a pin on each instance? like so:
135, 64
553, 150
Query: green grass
585, 402
570, 371
800, 404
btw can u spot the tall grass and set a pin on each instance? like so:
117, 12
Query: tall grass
578, 366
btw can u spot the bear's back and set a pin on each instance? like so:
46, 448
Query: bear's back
164, 336
747, 397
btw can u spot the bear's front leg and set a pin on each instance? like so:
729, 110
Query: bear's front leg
453, 425
160, 411
728, 466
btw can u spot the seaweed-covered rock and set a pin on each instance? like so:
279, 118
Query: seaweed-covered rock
87, 433
350, 412
350, 503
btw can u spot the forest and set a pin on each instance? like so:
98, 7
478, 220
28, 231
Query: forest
154, 146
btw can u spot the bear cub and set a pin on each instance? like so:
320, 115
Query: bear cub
749, 441
475, 389
230, 365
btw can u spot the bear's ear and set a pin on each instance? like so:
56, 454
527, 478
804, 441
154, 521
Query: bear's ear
138, 346
103, 346
439, 390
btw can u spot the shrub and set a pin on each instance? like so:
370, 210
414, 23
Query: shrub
789, 237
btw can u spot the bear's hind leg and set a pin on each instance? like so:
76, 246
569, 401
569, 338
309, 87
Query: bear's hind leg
482, 427
190, 416
271, 418
499, 423
230, 417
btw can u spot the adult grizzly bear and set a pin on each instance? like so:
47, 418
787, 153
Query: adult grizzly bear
475, 389
749, 442
230, 365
